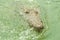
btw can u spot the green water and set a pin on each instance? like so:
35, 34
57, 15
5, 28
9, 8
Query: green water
14, 27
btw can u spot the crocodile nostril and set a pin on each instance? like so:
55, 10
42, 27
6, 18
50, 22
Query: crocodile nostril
39, 29
40, 26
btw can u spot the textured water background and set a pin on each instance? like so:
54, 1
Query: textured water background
14, 27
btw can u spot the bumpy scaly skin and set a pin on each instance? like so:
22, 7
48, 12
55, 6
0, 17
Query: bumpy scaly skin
32, 17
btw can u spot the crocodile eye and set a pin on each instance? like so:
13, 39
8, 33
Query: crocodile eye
36, 12
27, 12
